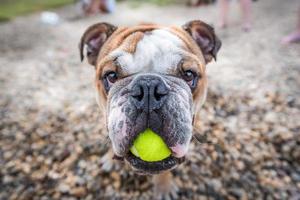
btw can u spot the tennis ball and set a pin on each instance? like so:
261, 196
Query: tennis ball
149, 146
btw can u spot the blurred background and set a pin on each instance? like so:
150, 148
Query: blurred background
51, 146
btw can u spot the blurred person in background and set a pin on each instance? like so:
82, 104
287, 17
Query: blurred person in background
199, 2
246, 11
91, 7
294, 36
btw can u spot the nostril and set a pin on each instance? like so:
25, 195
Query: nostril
159, 92
148, 93
138, 93
157, 96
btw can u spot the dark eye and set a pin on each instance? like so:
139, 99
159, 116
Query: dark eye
109, 79
190, 77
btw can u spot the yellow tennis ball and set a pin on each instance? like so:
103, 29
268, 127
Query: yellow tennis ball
149, 146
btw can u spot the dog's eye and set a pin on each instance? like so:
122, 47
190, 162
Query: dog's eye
190, 77
109, 79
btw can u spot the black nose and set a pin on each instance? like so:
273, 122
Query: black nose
149, 92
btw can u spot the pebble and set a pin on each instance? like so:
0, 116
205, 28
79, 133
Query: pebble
79, 191
63, 188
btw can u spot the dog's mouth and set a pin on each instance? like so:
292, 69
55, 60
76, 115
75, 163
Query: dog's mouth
152, 158
144, 167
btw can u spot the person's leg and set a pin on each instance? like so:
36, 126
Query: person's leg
294, 36
108, 5
246, 10
93, 7
224, 8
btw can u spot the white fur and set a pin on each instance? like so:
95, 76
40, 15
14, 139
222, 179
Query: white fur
158, 51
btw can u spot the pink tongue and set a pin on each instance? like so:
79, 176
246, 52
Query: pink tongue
179, 150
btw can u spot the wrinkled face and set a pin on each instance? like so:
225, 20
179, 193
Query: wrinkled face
150, 78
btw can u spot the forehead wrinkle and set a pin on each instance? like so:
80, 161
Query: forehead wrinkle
117, 38
157, 51
130, 43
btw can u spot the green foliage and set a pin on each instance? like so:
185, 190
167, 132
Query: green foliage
12, 8
160, 2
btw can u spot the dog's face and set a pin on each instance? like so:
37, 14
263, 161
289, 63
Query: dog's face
150, 76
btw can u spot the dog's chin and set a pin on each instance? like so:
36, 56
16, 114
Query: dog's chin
148, 168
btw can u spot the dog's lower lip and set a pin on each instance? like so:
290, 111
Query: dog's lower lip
153, 167
115, 157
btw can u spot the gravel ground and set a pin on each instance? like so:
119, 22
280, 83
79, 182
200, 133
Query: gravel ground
50, 130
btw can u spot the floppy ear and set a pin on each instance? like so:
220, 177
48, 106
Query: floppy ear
94, 37
204, 36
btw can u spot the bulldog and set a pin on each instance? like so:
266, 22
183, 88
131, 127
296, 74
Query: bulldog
150, 76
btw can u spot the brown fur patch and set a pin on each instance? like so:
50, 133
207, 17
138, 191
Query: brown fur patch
118, 37
130, 43
196, 55
189, 42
